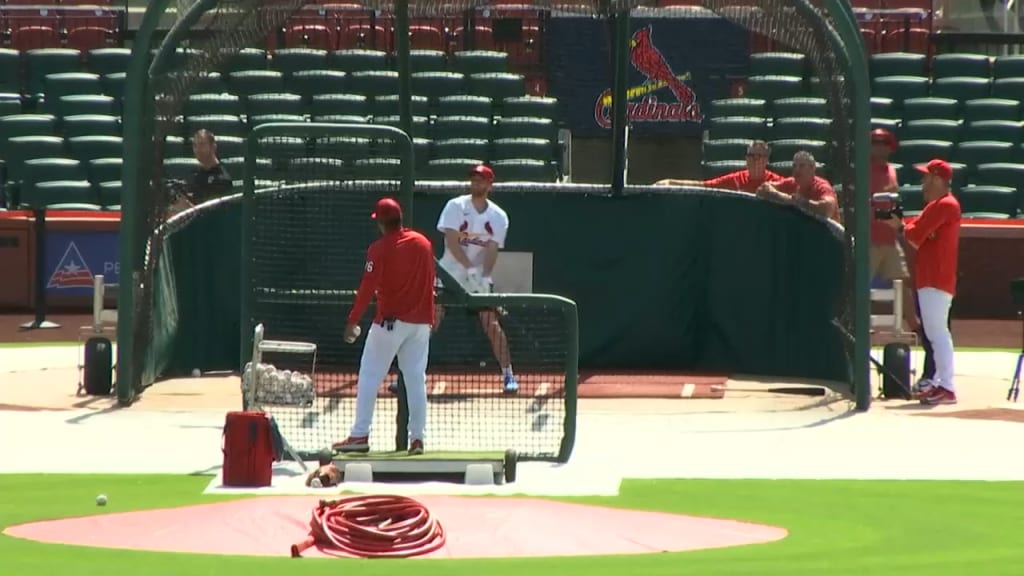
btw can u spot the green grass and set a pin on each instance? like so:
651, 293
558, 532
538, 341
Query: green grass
402, 454
836, 528
37, 344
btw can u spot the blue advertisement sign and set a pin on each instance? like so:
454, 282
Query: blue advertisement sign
677, 66
74, 258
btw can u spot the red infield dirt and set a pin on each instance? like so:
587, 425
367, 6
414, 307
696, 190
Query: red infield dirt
475, 528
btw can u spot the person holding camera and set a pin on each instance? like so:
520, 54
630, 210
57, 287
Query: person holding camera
935, 235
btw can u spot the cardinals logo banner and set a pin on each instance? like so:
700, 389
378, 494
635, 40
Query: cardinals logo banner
677, 67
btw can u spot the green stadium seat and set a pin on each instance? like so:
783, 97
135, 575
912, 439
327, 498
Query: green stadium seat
530, 148
1011, 66
284, 146
254, 121
935, 129
69, 84
725, 149
228, 146
775, 87
180, 168
236, 167
973, 153
752, 127
961, 64
377, 169
10, 71
340, 105
332, 168
180, 59
61, 195
1010, 174
991, 109
36, 170
524, 170
883, 108
105, 170
783, 150
358, 60
341, 119
345, 147
981, 201
778, 64
246, 59
526, 127
248, 82
91, 125
535, 106
886, 124
420, 124
929, 108
309, 83
1008, 88
897, 64
373, 83
912, 198
388, 105
205, 104
79, 104
422, 150
45, 61
211, 83
748, 107
900, 88
219, 124
178, 146
283, 103
802, 128
448, 169
497, 85
803, 107
462, 148
291, 60
962, 88
427, 60
19, 149
103, 61
922, 151
109, 195
435, 85
997, 130
471, 62
86, 148
461, 105
10, 104
27, 125
450, 127
113, 85
711, 170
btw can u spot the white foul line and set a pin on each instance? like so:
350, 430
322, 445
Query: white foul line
687, 391
439, 386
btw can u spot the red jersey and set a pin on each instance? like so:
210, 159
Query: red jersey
400, 273
741, 180
818, 190
883, 175
936, 234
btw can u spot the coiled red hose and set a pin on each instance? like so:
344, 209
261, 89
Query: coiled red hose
373, 527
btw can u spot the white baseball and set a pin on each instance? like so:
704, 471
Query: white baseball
356, 334
101, 500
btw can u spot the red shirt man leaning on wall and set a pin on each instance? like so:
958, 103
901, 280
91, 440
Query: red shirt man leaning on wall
804, 188
935, 234
749, 180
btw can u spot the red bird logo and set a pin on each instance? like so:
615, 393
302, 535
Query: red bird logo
648, 61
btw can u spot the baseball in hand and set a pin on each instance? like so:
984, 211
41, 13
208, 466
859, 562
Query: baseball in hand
356, 331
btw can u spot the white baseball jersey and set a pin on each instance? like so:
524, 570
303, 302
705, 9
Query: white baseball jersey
475, 229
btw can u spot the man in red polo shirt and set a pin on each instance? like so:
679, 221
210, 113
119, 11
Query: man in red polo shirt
400, 273
804, 188
935, 234
887, 258
749, 180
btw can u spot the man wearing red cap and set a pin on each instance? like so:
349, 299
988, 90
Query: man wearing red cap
804, 188
935, 234
749, 180
475, 229
887, 258
400, 273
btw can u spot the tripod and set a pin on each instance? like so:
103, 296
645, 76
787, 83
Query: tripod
1017, 294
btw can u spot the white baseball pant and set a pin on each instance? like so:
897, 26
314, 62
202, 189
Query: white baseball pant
411, 343
935, 306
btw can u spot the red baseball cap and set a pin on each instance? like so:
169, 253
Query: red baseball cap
940, 168
484, 171
884, 136
387, 209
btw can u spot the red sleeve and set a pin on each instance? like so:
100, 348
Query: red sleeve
825, 190
928, 221
368, 285
893, 179
786, 185
729, 181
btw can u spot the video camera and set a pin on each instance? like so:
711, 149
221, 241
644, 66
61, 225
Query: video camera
894, 209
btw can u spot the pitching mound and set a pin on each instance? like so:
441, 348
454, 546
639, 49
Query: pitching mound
476, 528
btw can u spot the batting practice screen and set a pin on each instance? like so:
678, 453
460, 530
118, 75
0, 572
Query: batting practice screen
305, 236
